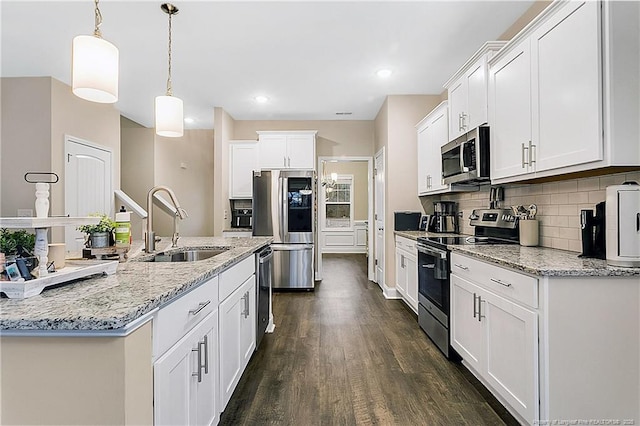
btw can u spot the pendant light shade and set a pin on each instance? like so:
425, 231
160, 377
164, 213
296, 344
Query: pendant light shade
169, 122
95, 69
94, 66
169, 110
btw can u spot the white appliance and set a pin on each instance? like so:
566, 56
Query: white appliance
623, 224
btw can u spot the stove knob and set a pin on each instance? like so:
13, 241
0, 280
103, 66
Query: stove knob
474, 216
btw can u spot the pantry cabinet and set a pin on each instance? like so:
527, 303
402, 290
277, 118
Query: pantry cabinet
243, 160
556, 97
432, 135
407, 271
287, 150
467, 92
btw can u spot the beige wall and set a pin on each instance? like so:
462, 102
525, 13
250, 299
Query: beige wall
402, 113
149, 160
522, 21
137, 161
25, 134
360, 171
224, 132
37, 113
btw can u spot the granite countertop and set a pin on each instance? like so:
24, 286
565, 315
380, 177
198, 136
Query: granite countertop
541, 261
137, 288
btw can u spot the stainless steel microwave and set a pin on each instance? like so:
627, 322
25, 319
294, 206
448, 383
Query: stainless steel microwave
466, 159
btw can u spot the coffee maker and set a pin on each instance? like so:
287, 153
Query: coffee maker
445, 217
593, 232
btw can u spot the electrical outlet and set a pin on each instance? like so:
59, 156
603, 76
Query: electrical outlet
25, 212
226, 215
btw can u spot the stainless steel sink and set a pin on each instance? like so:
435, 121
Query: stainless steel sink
188, 255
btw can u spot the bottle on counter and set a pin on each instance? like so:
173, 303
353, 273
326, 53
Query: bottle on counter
123, 228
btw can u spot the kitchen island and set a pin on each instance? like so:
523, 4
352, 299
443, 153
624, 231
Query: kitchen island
83, 353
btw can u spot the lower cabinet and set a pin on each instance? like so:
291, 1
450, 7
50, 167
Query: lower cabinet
497, 337
237, 336
186, 378
407, 271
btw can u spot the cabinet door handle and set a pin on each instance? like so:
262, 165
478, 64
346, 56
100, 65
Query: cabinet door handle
402, 261
200, 307
289, 161
506, 284
205, 343
464, 119
199, 372
532, 158
464, 268
474, 305
524, 163
637, 222
460, 122
246, 304
480, 316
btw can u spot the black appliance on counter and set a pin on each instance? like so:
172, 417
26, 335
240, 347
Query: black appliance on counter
406, 221
241, 214
491, 226
592, 228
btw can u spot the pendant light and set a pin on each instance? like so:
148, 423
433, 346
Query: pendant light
169, 122
94, 66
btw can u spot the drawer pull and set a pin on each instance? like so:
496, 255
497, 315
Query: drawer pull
201, 306
464, 268
501, 282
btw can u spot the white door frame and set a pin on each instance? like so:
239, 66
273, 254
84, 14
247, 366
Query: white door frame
371, 227
381, 281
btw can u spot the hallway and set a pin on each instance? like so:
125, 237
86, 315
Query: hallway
345, 355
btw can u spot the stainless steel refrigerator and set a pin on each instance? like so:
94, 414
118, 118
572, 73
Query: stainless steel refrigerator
284, 208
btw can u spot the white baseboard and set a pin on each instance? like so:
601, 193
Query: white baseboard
346, 249
391, 293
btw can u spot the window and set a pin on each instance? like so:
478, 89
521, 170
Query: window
339, 203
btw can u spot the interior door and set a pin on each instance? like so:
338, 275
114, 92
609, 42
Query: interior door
88, 185
379, 217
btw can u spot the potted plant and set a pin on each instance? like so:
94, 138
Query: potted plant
17, 246
101, 234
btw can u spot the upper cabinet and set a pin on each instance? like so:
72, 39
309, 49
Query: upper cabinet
432, 135
564, 93
467, 92
243, 160
287, 150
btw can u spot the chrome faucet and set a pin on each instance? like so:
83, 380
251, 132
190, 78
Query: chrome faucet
150, 237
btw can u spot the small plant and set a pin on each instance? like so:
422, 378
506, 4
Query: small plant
106, 224
18, 242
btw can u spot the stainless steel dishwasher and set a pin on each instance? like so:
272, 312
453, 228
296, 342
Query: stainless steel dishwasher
264, 279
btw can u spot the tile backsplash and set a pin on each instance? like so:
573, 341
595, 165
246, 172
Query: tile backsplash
559, 204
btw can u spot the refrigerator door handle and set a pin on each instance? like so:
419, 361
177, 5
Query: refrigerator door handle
291, 247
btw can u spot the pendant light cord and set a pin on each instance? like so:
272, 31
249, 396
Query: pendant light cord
96, 31
169, 88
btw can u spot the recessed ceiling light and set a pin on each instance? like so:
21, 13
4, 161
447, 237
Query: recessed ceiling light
383, 73
189, 120
261, 99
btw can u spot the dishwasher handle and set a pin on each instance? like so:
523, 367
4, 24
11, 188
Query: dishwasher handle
265, 255
291, 247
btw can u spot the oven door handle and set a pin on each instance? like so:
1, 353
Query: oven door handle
431, 251
429, 266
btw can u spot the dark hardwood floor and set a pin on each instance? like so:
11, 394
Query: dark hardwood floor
344, 355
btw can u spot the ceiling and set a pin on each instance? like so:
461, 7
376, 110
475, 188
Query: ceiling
311, 59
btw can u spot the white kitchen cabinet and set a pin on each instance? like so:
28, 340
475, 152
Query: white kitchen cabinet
237, 336
566, 83
407, 271
497, 336
467, 92
243, 160
287, 150
186, 378
557, 101
432, 135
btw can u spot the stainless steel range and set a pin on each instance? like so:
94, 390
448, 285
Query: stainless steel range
491, 226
